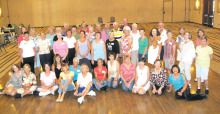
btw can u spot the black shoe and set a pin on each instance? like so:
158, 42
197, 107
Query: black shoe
204, 96
198, 91
1, 90
206, 91
36, 93
17, 96
104, 88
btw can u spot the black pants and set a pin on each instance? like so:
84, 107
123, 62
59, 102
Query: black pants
71, 55
86, 61
44, 58
163, 89
188, 96
51, 56
30, 61
162, 53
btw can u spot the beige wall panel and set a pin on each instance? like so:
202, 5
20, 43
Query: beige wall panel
216, 17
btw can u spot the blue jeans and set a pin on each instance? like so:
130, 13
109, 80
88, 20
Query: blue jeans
140, 56
104, 83
126, 88
80, 90
69, 87
111, 84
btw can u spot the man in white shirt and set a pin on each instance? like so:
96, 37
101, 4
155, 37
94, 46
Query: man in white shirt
163, 35
27, 52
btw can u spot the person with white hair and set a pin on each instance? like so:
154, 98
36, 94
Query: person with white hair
58, 30
135, 36
117, 31
75, 68
126, 42
66, 27
163, 35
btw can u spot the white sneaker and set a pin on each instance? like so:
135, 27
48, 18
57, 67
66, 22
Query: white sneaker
52, 93
44, 93
92, 93
80, 100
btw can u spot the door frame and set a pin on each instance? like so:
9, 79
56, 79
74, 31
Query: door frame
171, 10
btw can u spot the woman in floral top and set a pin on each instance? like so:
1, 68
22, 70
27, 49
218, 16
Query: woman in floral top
127, 74
158, 78
29, 83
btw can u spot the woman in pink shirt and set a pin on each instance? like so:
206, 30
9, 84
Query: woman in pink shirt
60, 47
127, 74
200, 33
103, 34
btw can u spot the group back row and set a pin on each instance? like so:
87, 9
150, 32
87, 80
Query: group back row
72, 55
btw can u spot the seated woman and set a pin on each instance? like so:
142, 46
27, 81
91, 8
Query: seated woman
179, 82
75, 68
100, 76
29, 83
113, 71
84, 84
127, 74
15, 81
56, 67
142, 83
48, 81
65, 82
158, 78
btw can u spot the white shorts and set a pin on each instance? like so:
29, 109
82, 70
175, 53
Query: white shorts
202, 72
145, 87
21, 90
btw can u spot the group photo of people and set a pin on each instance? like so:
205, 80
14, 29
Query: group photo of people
86, 59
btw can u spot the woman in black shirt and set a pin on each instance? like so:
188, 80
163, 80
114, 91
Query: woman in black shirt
112, 45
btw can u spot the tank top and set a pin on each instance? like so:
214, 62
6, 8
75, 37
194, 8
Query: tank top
112, 69
98, 50
57, 72
83, 48
142, 75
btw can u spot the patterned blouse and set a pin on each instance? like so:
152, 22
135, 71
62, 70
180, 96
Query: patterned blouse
159, 79
154, 41
29, 81
124, 45
128, 74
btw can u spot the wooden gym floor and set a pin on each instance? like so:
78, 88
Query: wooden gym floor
116, 100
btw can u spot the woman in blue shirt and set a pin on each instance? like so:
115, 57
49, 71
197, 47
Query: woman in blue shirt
178, 81
75, 68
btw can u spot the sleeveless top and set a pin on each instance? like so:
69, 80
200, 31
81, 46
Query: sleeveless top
142, 75
83, 48
112, 69
124, 45
57, 72
98, 50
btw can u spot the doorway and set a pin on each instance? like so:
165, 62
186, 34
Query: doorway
208, 12
168, 11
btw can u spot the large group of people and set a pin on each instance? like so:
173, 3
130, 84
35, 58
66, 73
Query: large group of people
73, 61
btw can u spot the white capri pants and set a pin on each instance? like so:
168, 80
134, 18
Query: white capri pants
185, 68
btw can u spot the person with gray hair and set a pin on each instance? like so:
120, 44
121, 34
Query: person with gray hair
126, 42
117, 31
163, 35
135, 36
75, 68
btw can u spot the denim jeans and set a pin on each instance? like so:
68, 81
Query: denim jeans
111, 82
140, 56
69, 87
104, 83
126, 88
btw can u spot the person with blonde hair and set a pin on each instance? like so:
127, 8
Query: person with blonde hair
51, 36
75, 68
65, 82
84, 84
35, 38
29, 82
66, 27
15, 81
58, 30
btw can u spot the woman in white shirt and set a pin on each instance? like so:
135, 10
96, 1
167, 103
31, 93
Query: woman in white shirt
43, 46
187, 50
135, 36
48, 81
27, 51
113, 71
70, 40
142, 83
84, 84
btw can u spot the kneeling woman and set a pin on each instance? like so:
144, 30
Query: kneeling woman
127, 74
65, 82
15, 81
178, 81
84, 84
48, 81
142, 83
158, 78
100, 76
29, 83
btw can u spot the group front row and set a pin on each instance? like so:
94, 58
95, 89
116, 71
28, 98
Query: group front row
137, 80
